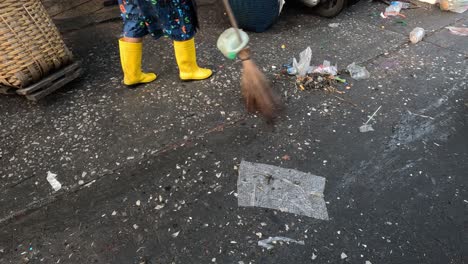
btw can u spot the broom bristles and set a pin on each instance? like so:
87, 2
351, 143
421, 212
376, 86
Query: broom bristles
257, 92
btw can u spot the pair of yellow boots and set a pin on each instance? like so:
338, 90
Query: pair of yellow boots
131, 55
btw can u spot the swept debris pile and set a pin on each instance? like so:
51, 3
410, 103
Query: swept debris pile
318, 81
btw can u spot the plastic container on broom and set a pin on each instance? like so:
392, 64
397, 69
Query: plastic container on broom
229, 44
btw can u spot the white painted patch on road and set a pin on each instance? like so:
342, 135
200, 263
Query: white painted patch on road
287, 190
52, 179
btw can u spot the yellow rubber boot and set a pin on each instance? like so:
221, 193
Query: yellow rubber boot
187, 60
130, 58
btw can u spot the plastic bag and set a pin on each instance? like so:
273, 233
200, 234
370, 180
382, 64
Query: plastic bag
325, 68
357, 72
393, 9
459, 31
302, 67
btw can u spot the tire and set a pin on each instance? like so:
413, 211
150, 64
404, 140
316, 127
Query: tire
330, 8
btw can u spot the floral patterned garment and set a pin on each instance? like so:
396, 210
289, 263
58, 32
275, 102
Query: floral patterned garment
176, 19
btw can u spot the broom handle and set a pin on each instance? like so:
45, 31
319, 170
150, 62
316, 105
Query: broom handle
233, 19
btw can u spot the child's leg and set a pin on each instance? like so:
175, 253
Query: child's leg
178, 19
131, 46
132, 40
186, 58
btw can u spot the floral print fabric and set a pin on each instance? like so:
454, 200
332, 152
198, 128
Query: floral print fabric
176, 19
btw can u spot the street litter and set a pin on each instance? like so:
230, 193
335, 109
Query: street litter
334, 25
424, 116
459, 31
457, 6
401, 22
394, 9
325, 68
417, 35
317, 81
287, 190
52, 179
302, 67
343, 255
321, 77
358, 72
266, 243
366, 127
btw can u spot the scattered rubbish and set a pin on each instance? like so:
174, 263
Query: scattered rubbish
366, 127
176, 234
283, 46
290, 70
340, 79
325, 68
138, 203
302, 67
140, 248
457, 6
368, 262
286, 157
321, 77
358, 72
459, 31
405, 5
287, 190
52, 179
135, 226
267, 243
313, 256
346, 101
90, 183
416, 35
334, 25
394, 9
343, 255
424, 116
317, 81
259, 234
401, 22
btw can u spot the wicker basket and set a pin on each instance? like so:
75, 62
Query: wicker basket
30, 44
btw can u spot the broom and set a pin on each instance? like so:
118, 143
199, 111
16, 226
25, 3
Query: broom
255, 88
